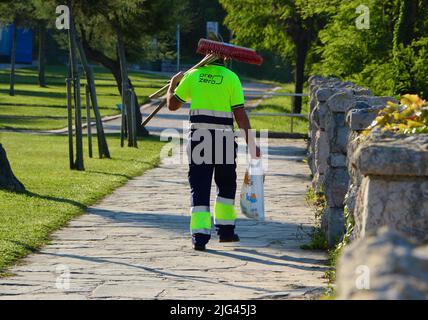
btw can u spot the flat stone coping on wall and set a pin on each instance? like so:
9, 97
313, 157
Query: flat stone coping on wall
397, 155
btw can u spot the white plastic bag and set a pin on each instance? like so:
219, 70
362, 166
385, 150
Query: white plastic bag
252, 192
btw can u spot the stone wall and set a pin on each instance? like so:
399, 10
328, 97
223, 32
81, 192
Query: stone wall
383, 265
391, 185
330, 102
381, 180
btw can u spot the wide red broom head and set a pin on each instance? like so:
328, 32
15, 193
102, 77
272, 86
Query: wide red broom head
227, 50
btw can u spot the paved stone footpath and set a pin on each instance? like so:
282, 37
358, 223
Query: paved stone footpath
135, 244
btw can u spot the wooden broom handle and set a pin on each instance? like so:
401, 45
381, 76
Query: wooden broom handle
151, 115
207, 59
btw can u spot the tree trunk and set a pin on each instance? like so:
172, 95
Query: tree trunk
42, 54
8, 181
13, 60
130, 118
404, 33
299, 74
103, 150
114, 67
76, 90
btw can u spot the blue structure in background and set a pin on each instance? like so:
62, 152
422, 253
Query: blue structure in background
24, 44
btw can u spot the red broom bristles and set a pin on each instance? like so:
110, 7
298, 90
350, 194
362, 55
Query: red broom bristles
227, 50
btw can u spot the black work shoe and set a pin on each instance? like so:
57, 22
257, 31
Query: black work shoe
199, 247
226, 233
232, 238
199, 240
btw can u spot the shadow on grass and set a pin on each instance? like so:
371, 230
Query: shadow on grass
56, 106
274, 107
110, 174
56, 199
42, 94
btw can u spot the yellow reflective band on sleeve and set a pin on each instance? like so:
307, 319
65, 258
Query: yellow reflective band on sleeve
200, 220
223, 211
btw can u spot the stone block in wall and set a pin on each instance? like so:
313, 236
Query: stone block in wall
383, 266
322, 151
354, 141
375, 101
333, 225
335, 186
394, 156
341, 101
323, 94
400, 203
361, 119
314, 119
337, 160
311, 150
339, 140
322, 110
362, 92
393, 191
312, 104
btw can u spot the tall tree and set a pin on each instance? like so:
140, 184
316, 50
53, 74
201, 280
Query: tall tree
72, 40
138, 22
281, 25
13, 59
42, 53
147, 26
103, 149
404, 34
390, 54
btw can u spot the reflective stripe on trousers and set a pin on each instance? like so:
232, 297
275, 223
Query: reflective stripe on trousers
224, 211
200, 220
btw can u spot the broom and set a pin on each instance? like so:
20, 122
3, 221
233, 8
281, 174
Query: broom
213, 50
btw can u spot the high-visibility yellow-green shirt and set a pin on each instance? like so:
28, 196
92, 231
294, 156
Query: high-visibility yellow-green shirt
214, 91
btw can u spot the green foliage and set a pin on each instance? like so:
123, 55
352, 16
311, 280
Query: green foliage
411, 68
317, 201
389, 57
282, 26
22, 12
349, 224
351, 53
404, 27
408, 117
403, 52
333, 258
318, 240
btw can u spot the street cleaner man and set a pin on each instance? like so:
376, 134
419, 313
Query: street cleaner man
216, 99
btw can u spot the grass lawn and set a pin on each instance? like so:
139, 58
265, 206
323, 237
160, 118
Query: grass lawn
280, 105
55, 193
38, 108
